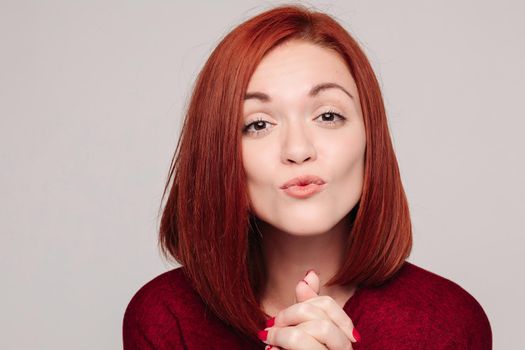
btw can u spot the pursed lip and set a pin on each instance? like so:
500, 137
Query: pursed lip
303, 180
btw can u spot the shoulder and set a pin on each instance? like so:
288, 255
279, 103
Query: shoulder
426, 307
167, 313
152, 315
428, 291
162, 292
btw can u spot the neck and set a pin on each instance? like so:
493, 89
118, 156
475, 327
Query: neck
289, 256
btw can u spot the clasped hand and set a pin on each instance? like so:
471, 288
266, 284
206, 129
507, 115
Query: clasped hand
313, 323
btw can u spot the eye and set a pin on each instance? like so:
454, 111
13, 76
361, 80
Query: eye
259, 126
331, 117
256, 127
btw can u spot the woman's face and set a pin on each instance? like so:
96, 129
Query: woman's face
291, 130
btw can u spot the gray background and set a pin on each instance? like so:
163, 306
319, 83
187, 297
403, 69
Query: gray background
91, 100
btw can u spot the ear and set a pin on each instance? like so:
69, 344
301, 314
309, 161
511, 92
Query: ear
307, 288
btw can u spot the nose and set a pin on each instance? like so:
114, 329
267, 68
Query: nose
297, 144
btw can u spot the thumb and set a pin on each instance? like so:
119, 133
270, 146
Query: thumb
308, 287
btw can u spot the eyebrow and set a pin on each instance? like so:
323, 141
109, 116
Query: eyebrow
314, 91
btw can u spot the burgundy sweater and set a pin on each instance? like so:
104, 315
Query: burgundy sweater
416, 309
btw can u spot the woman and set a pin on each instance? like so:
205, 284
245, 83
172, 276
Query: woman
287, 212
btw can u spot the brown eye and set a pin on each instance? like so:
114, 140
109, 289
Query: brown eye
331, 117
256, 127
259, 125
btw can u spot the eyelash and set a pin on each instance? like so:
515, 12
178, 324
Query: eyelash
257, 132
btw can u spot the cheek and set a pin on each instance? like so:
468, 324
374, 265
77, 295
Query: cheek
259, 170
349, 160
354, 163
251, 163
262, 178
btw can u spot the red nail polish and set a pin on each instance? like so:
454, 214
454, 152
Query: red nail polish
262, 335
270, 322
356, 335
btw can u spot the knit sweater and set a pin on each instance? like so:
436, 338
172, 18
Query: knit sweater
415, 309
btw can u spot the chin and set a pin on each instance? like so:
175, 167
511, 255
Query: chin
302, 227
299, 222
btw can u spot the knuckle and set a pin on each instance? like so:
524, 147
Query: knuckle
294, 337
279, 316
326, 301
325, 326
304, 308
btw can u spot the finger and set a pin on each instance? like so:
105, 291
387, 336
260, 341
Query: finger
299, 313
327, 333
335, 313
312, 279
303, 292
292, 338
320, 307
307, 288
271, 347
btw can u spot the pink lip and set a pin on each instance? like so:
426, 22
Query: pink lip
303, 186
303, 180
303, 191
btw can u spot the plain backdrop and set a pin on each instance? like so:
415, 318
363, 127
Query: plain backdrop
92, 95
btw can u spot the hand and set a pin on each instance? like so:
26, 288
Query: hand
314, 322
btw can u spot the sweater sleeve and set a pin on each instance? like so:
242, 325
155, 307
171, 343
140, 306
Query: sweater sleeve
149, 323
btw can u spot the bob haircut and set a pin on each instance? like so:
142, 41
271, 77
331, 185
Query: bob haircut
207, 225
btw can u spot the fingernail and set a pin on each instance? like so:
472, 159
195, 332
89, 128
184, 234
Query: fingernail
262, 335
356, 335
306, 282
270, 322
307, 272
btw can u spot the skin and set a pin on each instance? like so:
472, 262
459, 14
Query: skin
298, 134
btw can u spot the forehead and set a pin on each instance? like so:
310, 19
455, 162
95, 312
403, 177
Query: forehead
300, 64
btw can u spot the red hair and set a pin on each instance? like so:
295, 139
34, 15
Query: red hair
206, 223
